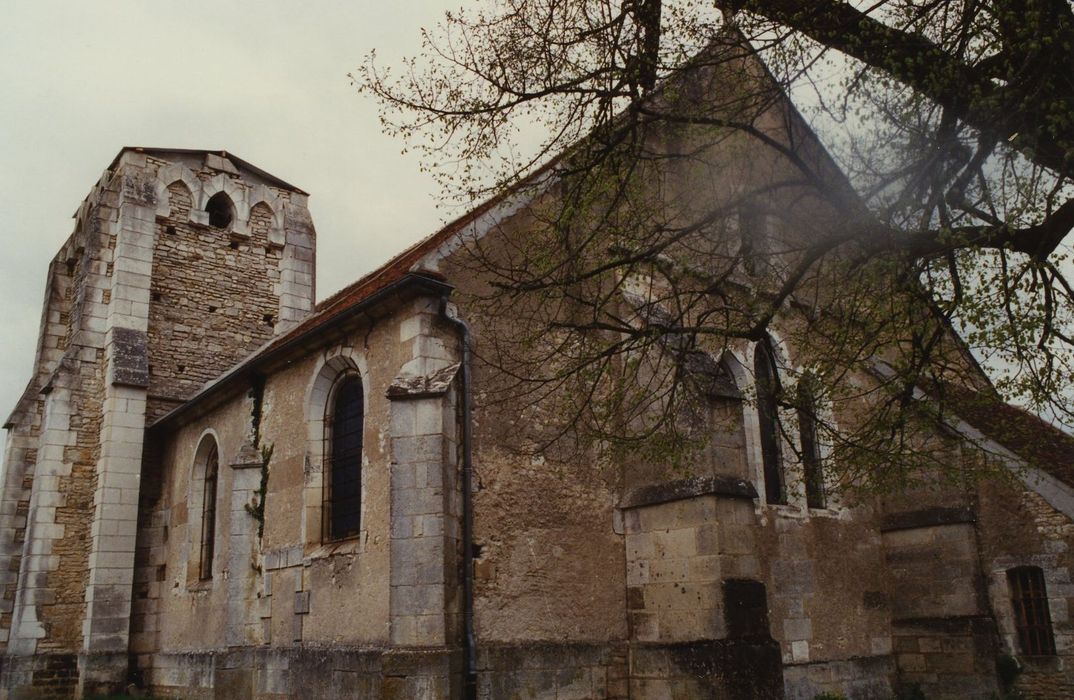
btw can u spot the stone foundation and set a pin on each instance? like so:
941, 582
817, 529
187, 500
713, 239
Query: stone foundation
40, 677
1045, 678
948, 657
614, 671
710, 669
553, 671
866, 678
303, 672
737, 669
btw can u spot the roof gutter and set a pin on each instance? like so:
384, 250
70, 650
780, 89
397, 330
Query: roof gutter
247, 369
470, 642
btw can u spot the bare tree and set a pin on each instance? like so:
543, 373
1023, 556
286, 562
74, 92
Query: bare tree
679, 207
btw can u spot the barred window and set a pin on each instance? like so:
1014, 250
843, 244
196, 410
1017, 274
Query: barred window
208, 514
807, 433
343, 460
768, 419
1029, 598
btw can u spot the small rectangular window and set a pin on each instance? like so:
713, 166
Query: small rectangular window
1029, 599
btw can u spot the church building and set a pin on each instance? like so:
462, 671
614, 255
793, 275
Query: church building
217, 487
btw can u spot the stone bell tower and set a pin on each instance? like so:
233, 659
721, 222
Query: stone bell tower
181, 263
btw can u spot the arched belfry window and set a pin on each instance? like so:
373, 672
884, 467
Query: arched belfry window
343, 426
208, 514
221, 210
807, 434
764, 372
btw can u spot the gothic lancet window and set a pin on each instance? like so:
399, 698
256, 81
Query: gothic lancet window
807, 433
343, 460
768, 421
1032, 619
208, 515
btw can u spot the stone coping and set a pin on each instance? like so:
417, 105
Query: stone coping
682, 489
927, 517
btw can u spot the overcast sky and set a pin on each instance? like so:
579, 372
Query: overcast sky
266, 80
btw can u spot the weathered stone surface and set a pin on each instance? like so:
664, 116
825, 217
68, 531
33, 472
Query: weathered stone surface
130, 358
594, 578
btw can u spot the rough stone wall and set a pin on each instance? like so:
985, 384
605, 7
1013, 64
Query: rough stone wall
276, 673
214, 298
948, 658
361, 591
553, 670
68, 582
549, 565
820, 613
67, 273
71, 486
546, 524
1019, 528
19, 460
678, 555
191, 614
58, 484
934, 571
867, 678
944, 637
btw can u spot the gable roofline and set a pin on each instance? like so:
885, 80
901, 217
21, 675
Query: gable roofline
1030, 464
414, 258
1020, 439
1034, 440
245, 165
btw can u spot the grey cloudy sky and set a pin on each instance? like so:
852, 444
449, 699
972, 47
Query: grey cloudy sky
266, 80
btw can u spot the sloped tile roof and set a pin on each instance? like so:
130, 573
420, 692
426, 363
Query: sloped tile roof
1033, 439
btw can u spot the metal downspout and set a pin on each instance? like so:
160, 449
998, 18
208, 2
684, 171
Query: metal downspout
470, 643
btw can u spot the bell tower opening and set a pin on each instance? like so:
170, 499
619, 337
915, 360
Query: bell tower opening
221, 210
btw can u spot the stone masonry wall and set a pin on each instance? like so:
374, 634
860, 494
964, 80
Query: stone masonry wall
387, 587
73, 300
68, 581
214, 298
49, 605
944, 638
678, 555
1019, 528
72, 484
934, 571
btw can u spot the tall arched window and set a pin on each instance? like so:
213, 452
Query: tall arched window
807, 433
764, 371
344, 425
208, 514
